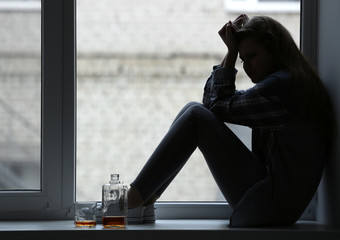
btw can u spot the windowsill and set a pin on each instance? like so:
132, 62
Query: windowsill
169, 229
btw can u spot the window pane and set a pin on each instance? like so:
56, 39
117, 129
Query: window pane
20, 96
139, 63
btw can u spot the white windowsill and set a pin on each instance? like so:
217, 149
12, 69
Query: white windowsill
170, 229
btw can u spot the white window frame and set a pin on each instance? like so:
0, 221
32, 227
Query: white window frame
57, 194
258, 6
58, 159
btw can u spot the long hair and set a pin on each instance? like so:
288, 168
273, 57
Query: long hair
274, 37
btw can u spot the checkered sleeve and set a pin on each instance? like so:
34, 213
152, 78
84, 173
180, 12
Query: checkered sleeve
220, 84
257, 107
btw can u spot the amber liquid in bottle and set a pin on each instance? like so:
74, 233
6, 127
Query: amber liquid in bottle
114, 222
85, 223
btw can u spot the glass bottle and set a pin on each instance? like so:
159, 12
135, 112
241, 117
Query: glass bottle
114, 203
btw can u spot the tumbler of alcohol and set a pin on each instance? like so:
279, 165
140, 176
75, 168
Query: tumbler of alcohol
85, 214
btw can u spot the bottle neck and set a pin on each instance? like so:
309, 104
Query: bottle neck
114, 178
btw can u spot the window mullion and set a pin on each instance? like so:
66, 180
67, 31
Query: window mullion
59, 122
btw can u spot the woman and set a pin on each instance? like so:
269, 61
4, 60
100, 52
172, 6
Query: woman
292, 126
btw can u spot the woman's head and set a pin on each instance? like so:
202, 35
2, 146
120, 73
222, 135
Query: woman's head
258, 62
276, 43
273, 38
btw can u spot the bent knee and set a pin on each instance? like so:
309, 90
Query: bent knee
191, 104
199, 109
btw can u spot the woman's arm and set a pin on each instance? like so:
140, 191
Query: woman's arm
228, 37
228, 64
262, 106
220, 84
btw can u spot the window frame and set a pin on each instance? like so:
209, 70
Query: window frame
58, 67
58, 155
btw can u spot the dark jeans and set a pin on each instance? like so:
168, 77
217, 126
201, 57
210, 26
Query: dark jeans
234, 167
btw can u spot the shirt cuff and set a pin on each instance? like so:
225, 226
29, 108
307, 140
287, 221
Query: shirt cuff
224, 75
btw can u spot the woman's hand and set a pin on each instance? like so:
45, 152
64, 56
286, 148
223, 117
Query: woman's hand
227, 32
228, 37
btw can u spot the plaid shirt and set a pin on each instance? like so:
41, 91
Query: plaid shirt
257, 107
266, 107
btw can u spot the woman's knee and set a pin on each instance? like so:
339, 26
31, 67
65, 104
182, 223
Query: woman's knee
185, 109
198, 109
190, 107
191, 104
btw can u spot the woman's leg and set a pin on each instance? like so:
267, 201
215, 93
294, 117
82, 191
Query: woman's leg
233, 166
135, 197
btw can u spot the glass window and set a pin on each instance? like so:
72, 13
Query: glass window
20, 99
37, 109
139, 63
101, 62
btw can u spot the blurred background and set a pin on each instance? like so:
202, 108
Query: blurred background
138, 64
